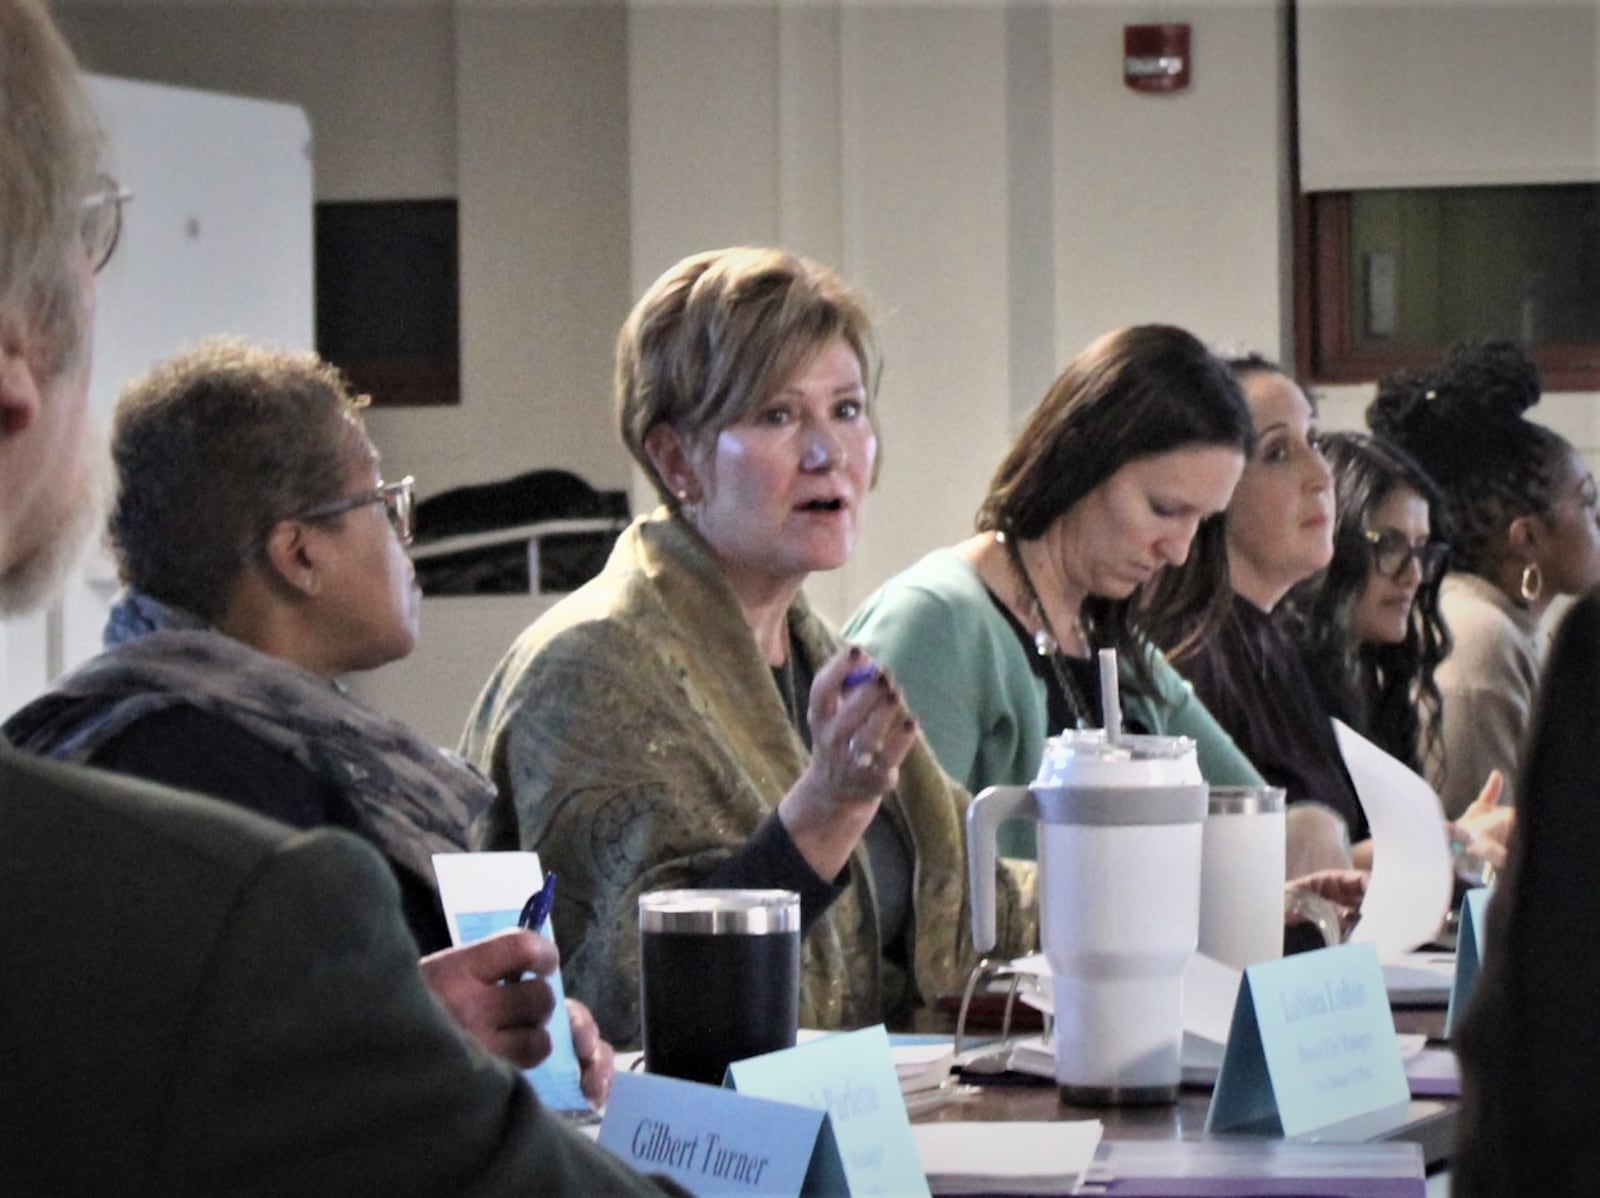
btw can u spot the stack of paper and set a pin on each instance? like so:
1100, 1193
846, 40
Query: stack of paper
1006, 1158
922, 1066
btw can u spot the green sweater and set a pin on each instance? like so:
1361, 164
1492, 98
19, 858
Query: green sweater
981, 706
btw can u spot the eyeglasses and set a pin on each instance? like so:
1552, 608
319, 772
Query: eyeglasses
399, 505
1392, 553
100, 227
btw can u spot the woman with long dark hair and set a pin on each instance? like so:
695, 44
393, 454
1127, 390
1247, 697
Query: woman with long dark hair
1369, 625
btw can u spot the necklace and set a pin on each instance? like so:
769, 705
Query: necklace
1045, 642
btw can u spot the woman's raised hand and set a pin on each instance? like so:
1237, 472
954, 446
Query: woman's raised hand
860, 733
860, 728
1485, 827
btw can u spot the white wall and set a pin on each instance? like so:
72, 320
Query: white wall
979, 169
517, 110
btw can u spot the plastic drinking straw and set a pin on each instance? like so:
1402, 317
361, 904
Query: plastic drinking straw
1110, 699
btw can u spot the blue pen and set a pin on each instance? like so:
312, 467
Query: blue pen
862, 673
537, 909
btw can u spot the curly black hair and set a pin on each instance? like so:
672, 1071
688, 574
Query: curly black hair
1463, 422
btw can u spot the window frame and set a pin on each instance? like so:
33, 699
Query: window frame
1326, 348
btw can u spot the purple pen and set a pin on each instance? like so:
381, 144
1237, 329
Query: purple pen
537, 909
865, 672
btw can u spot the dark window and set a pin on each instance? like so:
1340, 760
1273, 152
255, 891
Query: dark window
388, 309
1389, 278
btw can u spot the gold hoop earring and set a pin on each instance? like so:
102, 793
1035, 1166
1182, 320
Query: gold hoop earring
1532, 585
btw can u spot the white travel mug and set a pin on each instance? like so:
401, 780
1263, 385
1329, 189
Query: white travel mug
1241, 876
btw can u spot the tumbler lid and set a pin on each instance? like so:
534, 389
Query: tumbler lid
720, 912
1246, 800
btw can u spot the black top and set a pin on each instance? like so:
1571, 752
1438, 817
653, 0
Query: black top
1251, 678
1529, 1043
770, 852
194, 750
1084, 673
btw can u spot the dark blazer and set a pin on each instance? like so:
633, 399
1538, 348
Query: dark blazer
195, 1000
1530, 1042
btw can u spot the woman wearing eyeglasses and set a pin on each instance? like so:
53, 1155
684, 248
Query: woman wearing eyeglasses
1251, 675
1522, 508
263, 558
1368, 626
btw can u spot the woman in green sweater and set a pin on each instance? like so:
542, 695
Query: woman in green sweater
1122, 471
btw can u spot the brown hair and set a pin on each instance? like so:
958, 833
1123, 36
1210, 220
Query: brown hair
1134, 393
720, 332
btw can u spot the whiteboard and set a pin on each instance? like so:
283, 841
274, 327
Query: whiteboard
217, 239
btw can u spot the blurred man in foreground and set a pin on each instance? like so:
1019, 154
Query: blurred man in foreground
192, 1000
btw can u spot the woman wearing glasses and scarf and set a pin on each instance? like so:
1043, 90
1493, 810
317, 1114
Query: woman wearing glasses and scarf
264, 557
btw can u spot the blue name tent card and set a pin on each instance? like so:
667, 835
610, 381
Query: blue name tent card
1469, 954
483, 893
1312, 1044
852, 1076
712, 1140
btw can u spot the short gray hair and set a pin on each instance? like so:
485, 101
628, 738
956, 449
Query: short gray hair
212, 449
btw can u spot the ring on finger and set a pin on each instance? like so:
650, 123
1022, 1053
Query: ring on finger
863, 758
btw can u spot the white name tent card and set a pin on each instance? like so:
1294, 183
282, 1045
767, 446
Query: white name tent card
1312, 1045
483, 893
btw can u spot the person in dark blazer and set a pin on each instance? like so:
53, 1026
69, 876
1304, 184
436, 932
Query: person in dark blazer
1530, 1043
193, 999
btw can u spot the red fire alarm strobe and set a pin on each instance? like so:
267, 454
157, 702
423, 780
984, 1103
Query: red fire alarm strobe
1155, 58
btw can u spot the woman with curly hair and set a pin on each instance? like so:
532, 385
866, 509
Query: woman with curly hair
1368, 626
1522, 509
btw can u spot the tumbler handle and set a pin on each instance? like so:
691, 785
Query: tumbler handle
984, 816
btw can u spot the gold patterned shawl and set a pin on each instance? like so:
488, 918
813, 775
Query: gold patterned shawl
637, 739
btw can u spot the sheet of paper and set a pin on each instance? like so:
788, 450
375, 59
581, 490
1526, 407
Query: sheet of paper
1409, 893
483, 893
1006, 1158
1419, 979
1210, 990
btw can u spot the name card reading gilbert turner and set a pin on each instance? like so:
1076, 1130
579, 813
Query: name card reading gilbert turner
852, 1076
715, 1141
1312, 1044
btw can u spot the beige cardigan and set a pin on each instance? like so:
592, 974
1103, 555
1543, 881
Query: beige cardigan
637, 739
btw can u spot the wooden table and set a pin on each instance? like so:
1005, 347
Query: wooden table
1428, 1122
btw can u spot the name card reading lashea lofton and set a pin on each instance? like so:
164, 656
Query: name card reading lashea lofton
715, 1141
1312, 1044
851, 1075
